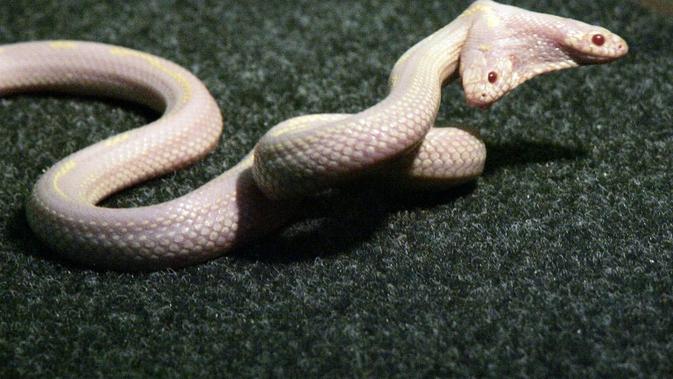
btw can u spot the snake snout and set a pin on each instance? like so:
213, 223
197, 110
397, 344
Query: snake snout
482, 101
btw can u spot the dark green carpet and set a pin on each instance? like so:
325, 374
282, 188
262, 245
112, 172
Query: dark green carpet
557, 262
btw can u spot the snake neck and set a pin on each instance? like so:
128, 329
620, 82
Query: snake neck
434, 59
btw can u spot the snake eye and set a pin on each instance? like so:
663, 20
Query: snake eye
492, 77
598, 39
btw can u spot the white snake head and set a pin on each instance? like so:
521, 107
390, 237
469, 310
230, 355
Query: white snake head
507, 46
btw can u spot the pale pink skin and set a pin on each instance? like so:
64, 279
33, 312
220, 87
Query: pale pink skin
294, 159
527, 44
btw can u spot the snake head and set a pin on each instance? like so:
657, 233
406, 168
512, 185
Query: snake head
507, 46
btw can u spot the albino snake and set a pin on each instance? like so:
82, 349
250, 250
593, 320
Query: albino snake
494, 47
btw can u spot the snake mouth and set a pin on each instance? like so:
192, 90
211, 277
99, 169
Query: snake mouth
479, 104
585, 59
582, 59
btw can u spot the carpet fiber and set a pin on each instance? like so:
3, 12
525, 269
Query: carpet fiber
556, 262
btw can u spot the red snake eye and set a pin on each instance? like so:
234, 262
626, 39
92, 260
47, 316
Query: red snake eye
492, 77
598, 39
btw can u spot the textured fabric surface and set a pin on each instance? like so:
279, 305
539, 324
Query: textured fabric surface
557, 261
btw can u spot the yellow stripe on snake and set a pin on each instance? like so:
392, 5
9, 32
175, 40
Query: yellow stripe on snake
493, 48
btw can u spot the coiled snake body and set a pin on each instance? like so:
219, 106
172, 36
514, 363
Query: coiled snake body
494, 47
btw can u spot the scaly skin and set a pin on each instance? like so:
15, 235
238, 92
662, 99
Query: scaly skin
494, 47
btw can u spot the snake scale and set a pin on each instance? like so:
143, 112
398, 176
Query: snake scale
492, 47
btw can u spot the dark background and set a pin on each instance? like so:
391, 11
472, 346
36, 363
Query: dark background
557, 261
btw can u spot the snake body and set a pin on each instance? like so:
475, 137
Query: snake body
494, 47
